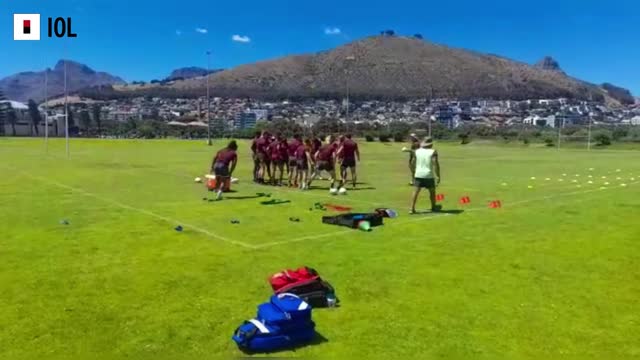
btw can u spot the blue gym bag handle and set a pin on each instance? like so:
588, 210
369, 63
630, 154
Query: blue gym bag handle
283, 295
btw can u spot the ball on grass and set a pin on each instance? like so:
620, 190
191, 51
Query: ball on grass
198, 180
333, 191
342, 191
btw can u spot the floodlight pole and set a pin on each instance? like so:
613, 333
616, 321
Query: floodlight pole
589, 132
560, 132
208, 103
430, 99
66, 110
46, 112
348, 60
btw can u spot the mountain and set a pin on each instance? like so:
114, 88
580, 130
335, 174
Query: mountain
622, 95
392, 67
548, 63
30, 85
189, 72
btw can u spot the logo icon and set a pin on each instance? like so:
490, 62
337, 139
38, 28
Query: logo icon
26, 26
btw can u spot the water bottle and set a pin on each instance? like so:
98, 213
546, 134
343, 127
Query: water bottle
331, 300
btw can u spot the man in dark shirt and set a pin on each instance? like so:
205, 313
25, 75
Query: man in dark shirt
223, 165
349, 154
325, 160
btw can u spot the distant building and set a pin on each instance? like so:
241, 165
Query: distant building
537, 120
245, 120
447, 119
635, 120
570, 119
261, 114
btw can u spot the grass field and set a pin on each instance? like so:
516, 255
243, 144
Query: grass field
555, 272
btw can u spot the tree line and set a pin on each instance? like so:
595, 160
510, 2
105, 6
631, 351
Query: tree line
88, 122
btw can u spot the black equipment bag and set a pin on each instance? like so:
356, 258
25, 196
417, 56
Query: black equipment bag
351, 220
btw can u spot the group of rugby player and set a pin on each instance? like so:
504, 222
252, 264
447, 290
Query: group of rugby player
303, 160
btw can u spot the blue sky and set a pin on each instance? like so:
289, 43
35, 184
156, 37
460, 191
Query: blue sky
142, 40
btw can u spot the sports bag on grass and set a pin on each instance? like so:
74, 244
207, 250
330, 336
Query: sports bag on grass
288, 277
283, 322
307, 284
285, 311
352, 220
255, 336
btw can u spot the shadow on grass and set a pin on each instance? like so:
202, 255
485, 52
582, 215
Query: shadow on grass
318, 339
441, 212
247, 197
348, 188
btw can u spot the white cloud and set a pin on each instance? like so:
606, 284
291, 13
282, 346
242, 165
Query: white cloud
178, 32
241, 38
202, 30
332, 31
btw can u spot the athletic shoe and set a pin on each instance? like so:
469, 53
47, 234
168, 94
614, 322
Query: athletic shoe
436, 208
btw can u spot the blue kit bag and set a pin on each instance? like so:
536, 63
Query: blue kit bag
284, 322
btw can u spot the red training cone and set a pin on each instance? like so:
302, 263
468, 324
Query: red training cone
440, 197
496, 204
465, 200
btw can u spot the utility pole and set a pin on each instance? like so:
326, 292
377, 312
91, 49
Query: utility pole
66, 110
560, 124
348, 60
46, 112
589, 136
208, 102
430, 100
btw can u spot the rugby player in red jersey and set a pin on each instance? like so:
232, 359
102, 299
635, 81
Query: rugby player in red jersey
350, 155
264, 158
223, 165
325, 159
254, 156
304, 161
293, 165
279, 152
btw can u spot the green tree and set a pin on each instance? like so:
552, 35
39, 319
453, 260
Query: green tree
620, 132
96, 110
35, 115
602, 139
465, 138
548, 141
85, 120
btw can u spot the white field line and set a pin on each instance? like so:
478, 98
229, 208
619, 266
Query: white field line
143, 211
416, 219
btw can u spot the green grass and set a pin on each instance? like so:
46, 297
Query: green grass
553, 273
